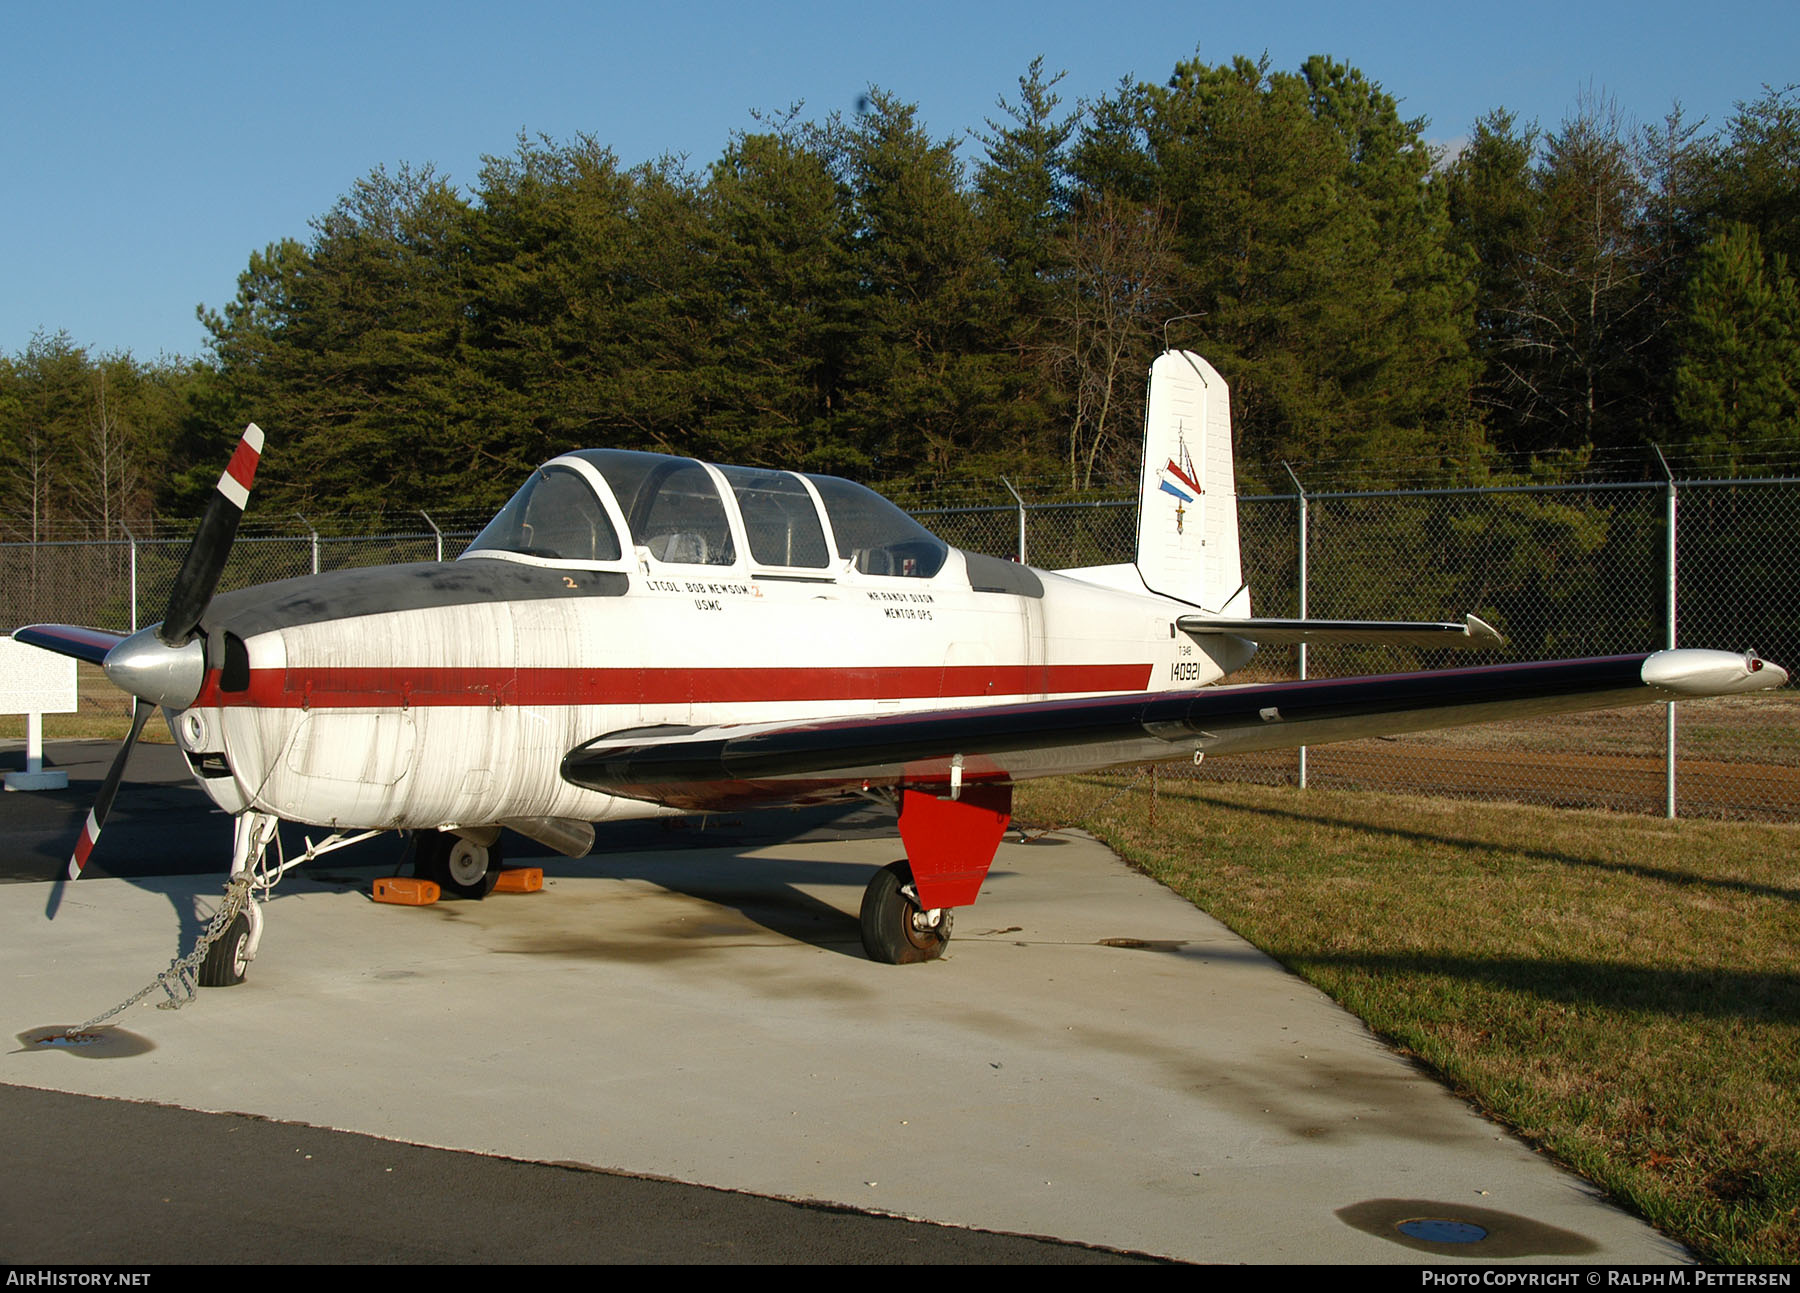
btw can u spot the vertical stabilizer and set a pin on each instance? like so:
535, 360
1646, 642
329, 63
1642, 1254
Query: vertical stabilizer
1187, 497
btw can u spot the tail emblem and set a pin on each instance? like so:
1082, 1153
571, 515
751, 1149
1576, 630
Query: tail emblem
1182, 471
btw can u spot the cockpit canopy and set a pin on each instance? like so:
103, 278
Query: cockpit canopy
681, 512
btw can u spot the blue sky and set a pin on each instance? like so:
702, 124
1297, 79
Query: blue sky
148, 149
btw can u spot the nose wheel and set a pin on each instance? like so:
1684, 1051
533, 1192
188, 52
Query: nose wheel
228, 959
896, 930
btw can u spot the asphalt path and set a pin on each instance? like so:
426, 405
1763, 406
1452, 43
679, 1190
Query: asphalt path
87, 1181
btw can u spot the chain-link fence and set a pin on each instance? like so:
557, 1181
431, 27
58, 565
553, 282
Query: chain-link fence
1561, 571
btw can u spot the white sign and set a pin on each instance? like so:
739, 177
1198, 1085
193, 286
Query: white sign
35, 681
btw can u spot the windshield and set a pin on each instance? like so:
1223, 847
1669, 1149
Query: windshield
554, 515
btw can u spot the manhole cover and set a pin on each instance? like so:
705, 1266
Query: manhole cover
1441, 1230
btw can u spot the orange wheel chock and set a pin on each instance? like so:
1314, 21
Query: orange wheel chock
405, 891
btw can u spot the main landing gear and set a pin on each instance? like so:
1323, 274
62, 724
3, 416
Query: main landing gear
950, 843
459, 865
896, 930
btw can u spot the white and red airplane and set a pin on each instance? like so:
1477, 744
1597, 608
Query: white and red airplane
637, 635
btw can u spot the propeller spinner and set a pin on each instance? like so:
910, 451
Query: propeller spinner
165, 665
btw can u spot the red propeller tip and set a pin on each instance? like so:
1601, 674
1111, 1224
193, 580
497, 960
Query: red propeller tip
90, 835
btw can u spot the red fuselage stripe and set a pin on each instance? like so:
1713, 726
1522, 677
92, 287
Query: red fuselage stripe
385, 688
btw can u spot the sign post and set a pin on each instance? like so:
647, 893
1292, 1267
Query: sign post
35, 682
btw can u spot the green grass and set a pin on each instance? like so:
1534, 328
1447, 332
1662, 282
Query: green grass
1621, 991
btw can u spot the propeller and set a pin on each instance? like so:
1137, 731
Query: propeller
165, 665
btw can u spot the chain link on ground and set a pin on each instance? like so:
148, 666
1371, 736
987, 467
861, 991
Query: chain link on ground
181, 981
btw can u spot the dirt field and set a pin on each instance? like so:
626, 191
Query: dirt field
1624, 783
1737, 758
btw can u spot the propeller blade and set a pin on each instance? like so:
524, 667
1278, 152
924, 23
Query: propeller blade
164, 671
205, 560
96, 818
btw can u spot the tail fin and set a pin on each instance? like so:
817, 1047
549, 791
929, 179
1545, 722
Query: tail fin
1187, 498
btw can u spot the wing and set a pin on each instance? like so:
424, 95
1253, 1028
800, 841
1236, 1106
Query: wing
1472, 634
720, 767
69, 639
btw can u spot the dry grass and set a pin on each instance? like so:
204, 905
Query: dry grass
1732, 729
1620, 990
88, 726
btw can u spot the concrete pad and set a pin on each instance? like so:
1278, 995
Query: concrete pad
1094, 1060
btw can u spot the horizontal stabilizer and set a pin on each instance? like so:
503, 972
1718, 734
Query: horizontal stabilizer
90, 645
1472, 634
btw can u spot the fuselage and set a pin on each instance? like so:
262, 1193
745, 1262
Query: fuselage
449, 693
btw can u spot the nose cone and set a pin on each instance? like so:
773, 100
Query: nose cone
163, 675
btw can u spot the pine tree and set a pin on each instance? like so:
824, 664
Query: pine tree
1494, 215
1023, 199
929, 376
1737, 387
1315, 248
781, 275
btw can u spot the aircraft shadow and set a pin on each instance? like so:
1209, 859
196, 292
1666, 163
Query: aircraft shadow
772, 894
162, 827
1704, 992
1701, 991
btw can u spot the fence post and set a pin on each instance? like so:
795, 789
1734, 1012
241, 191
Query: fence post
132, 538
1021, 502
1300, 490
1670, 567
315, 542
439, 533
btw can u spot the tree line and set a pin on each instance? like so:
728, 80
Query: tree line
855, 296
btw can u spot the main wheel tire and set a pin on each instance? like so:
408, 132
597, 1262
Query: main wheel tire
895, 930
458, 866
227, 961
